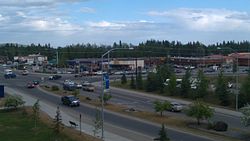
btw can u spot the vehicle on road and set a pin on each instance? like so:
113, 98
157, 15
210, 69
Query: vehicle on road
9, 75
25, 72
69, 85
70, 100
86, 86
36, 82
30, 85
55, 77
78, 86
176, 107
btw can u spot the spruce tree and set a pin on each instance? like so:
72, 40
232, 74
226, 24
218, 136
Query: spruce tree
57, 122
132, 83
139, 82
222, 91
163, 134
123, 79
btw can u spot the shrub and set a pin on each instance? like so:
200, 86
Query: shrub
55, 88
13, 101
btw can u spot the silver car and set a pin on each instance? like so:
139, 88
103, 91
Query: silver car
176, 107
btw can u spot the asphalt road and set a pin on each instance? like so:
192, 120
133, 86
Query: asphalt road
139, 126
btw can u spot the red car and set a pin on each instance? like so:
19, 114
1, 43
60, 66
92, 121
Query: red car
30, 85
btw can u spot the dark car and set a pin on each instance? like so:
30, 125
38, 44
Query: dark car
36, 82
55, 77
69, 87
30, 85
70, 100
10, 75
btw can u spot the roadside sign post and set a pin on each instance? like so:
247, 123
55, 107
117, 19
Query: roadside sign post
106, 83
1, 91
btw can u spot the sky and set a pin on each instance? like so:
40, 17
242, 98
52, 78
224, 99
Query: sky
64, 22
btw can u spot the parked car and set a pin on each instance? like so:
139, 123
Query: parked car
78, 86
230, 85
70, 100
30, 85
176, 107
9, 75
55, 77
86, 86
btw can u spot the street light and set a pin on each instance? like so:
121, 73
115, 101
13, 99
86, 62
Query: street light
107, 53
236, 76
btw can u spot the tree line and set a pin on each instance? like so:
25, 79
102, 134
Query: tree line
149, 48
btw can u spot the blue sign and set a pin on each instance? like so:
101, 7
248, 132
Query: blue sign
106, 81
1, 91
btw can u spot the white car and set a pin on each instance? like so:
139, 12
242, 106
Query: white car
78, 86
176, 107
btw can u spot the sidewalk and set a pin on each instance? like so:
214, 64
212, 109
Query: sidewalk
66, 117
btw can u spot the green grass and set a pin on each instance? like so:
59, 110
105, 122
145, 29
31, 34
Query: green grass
17, 126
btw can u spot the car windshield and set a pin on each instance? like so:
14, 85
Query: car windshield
72, 98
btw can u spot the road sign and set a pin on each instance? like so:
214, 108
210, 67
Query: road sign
1, 91
106, 81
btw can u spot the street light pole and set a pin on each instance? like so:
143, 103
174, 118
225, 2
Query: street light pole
102, 86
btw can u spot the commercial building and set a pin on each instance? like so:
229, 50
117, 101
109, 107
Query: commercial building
94, 64
32, 59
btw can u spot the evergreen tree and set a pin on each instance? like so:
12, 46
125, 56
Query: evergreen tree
57, 122
139, 81
171, 87
186, 85
222, 91
163, 134
151, 82
244, 95
132, 82
123, 79
36, 112
163, 72
202, 85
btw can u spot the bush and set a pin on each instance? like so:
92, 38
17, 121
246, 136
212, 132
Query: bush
13, 101
220, 126
55, 88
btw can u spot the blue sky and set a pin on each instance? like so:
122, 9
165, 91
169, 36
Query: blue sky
63, 22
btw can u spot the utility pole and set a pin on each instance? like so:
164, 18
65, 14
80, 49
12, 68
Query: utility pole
57, 59
80, 124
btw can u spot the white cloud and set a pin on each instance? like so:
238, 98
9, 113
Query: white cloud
105, 24
34, 3
87, 10
207, 19
2, 18
57, 25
